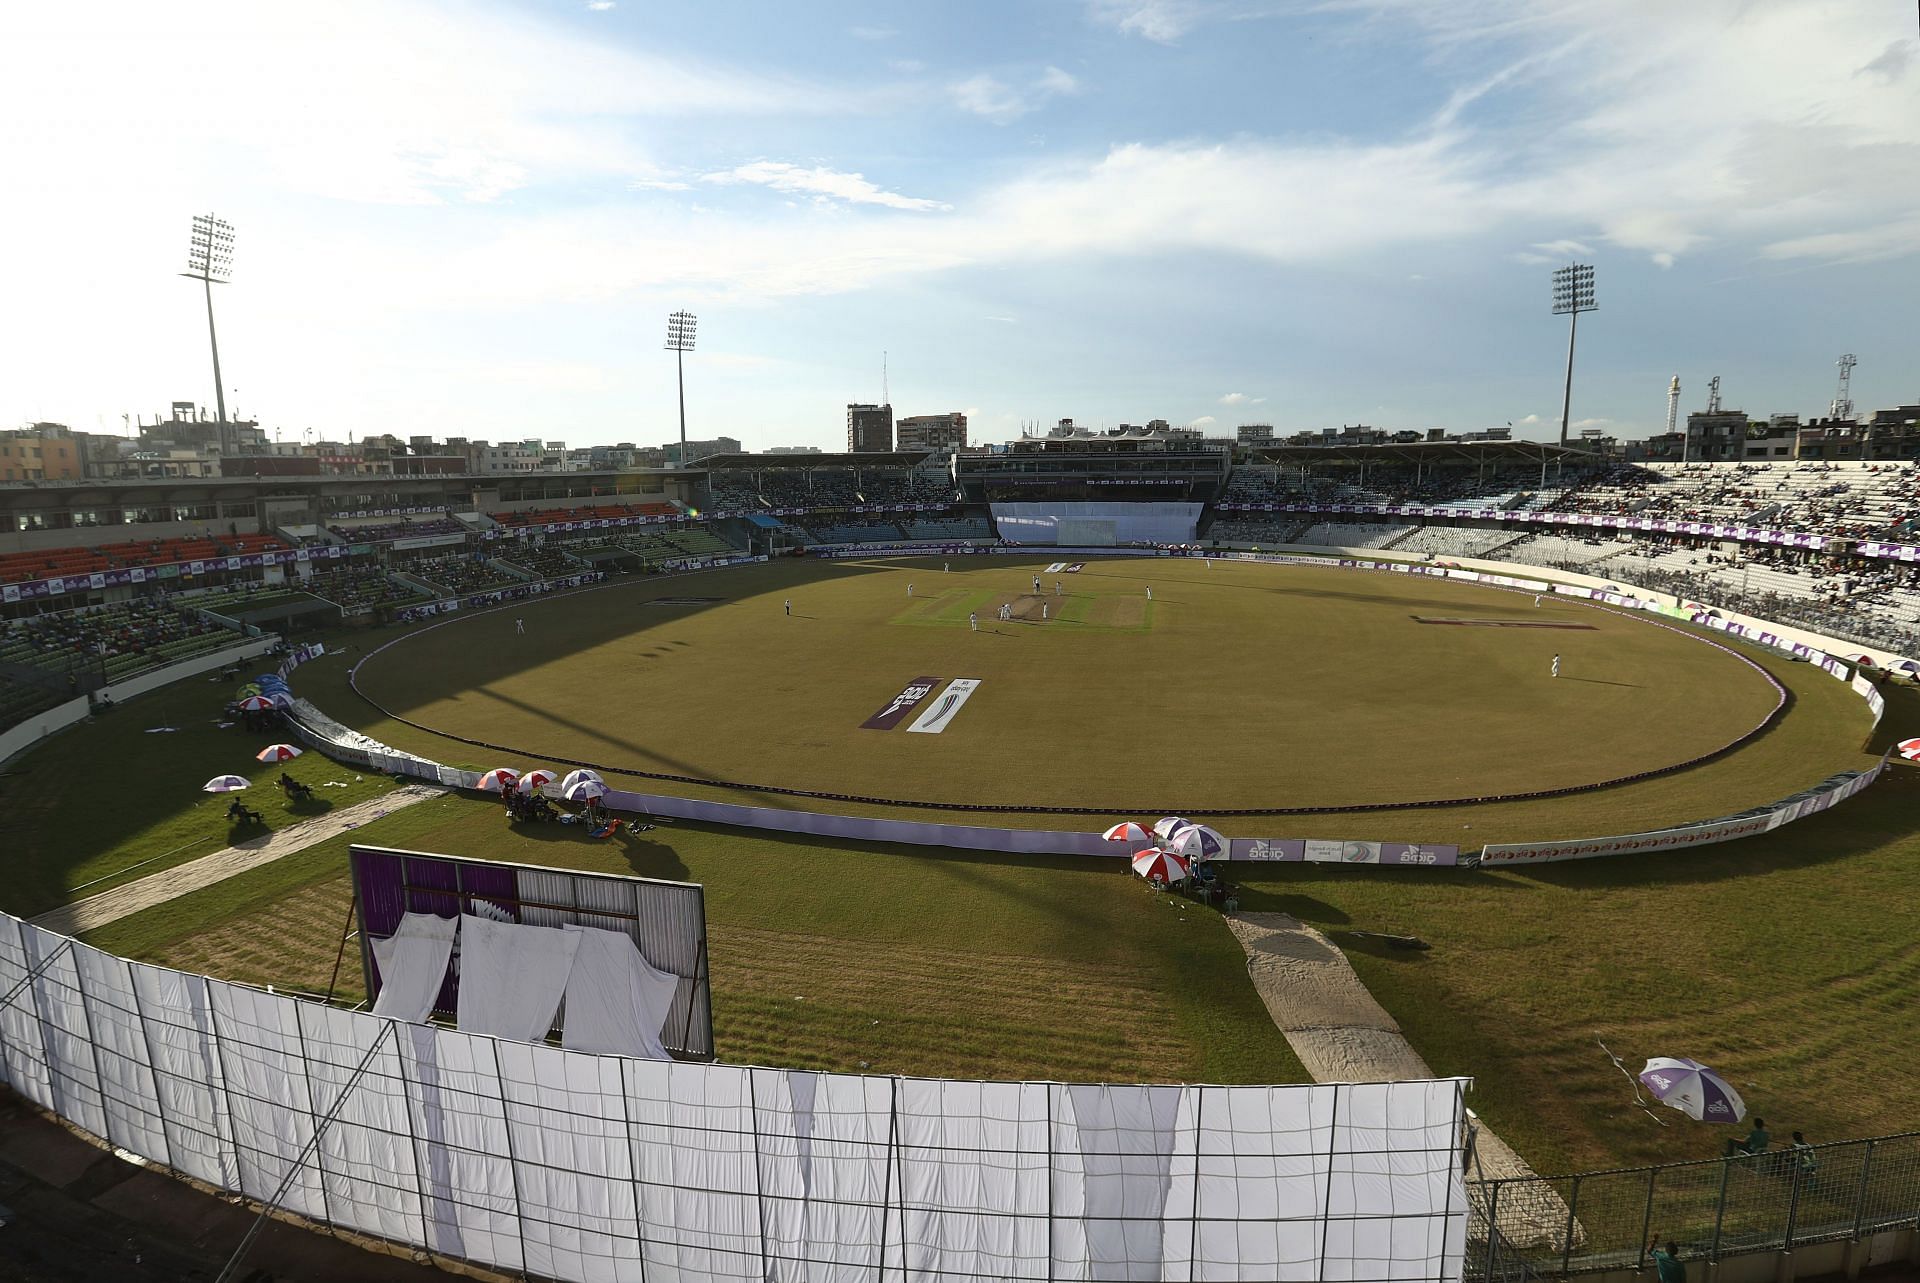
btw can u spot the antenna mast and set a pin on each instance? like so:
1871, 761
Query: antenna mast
1842, 407
886, 395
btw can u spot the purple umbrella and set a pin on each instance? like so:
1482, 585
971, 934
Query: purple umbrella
1693, 1089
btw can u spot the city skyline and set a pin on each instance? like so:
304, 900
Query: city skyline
473, 221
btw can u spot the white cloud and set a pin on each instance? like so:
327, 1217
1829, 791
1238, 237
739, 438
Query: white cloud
1004, 320
1234, 398
906, 66
872, 33
1205, 420
1162, 21
819, 182
989, 96
1563, 249
600, 6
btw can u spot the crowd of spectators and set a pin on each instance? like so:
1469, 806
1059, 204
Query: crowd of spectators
817, 488
404, 528
542, 561
1842, 500
146, 629
458, 575
359, 590
501, 596
17, 567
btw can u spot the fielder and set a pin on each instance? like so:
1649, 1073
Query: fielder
1556, 665
973, 622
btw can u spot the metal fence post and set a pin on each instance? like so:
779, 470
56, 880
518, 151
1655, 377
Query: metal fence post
1646, 1224
1720, 1211
1493, 1228
1860, 1194
1573, 1201
1799, 1177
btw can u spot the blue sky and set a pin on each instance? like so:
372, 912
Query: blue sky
472, 219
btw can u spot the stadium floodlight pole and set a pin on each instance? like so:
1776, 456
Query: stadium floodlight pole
1572, 295
210, 260
680, 327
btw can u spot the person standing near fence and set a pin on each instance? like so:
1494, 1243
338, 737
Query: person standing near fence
1666, 1261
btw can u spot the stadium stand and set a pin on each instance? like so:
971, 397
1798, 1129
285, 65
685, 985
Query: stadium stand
1337, 534
16, 567
1453, 541
541, 562
359, 590
459, 575
405, 528
591, 512
113, 642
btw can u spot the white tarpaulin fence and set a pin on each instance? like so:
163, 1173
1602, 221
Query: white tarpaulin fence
566, 1165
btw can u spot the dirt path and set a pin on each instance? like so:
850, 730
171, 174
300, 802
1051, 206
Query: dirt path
110, 906
1342, 1035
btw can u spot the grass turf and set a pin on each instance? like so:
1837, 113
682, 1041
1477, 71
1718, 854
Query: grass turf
825, 956
1793, 950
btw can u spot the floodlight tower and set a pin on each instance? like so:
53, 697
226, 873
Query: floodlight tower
1842, 407
680, 327
1572, 295
210, 261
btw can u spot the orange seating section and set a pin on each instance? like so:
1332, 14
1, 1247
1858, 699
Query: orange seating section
46, 563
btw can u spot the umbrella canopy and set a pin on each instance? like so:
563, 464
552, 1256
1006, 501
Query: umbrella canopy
1128, 832
277, 753
1909, 749
572, 778
535, 780
584, 790
1156, 865
499, 780
1907, 666
1865, 661
1168, 825
224, 784
255, 704
251, 688
1198, 842
1693, 1089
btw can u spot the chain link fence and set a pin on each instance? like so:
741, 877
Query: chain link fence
1552, 1226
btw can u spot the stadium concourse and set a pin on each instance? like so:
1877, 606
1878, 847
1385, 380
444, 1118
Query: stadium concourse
548, 1162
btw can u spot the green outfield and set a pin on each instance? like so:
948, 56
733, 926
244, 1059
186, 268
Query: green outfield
1236, 687
1785, 959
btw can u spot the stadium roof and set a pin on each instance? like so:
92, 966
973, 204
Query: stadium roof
1425, 452
761, 462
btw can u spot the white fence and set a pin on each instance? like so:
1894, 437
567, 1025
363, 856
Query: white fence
565, 1165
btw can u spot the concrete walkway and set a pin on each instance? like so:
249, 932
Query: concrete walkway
110, 906
1341, 1034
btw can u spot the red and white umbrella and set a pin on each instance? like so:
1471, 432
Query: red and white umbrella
1909, 749
1128, 832
277, 753
584, 790
224, 784
499, 780
1156, 865
535, 780
1865, 661
256, 704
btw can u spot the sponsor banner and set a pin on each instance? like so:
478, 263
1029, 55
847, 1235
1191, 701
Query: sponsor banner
941, 712
1056, 567
889, 715
1339, 851
1076, 567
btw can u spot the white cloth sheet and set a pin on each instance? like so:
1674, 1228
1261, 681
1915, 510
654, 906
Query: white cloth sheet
616, 999
511, 977
413, 965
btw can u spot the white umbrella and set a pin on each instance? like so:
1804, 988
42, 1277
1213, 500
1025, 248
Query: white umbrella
225, 784
1693, 1089
572, 778
583, 790
1198, 842
1168, 825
